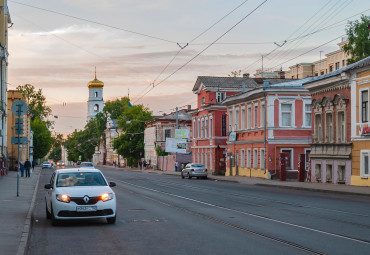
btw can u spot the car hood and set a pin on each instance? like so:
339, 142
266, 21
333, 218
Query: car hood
91, 191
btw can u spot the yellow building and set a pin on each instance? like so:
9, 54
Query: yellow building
360, 123
25, 151
333, 61
4, 23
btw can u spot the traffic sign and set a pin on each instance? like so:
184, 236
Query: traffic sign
19, 126
21, 139
19, 108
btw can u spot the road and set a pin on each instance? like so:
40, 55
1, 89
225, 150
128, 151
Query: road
164, 214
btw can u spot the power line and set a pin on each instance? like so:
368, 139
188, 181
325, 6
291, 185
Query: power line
94, 22
178, 69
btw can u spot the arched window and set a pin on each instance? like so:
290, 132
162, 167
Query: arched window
96, 94
96, 108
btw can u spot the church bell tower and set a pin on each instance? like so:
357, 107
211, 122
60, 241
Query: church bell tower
95, 103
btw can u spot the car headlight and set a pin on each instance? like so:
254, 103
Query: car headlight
106, 196
63, 198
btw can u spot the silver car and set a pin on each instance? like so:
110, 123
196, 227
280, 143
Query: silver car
194, 170
86, 165
46, 164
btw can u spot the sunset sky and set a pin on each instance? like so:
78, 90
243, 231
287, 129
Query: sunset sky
55, 45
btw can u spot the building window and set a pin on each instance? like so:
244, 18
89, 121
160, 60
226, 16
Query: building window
286, 115
318, 127
255, 158
329, 173
249, 118
256, 116
263, 116
337, 66
211, 127
231, 128
330, 69
322, 73
223, 123
96, 108
194, 127
206, 128
329, 127
198, 128
243, 119
96, 94
262, 159
364, 168
249, 158
202, 128
242, 158
167, 133
364, 106
289, 162
220, 96
237, 127
318, 172
202, 102
341, 127
307, 115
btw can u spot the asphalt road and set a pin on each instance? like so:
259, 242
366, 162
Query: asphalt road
164, 214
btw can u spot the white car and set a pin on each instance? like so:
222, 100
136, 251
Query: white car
79, 193
46, 164
86, 165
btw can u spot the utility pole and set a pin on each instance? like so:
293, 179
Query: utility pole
262, 67
177, 118
320, 62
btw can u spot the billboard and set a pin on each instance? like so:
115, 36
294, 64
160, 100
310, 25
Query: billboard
176, 145
181, 133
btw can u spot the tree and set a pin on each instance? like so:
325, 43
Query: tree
130, 144
36, 102
358, 46
236, 73
42, 140
160, 151
56, 153
116, 108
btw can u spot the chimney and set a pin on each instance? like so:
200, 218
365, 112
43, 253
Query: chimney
245, 75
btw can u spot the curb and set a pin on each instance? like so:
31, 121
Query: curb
314, 190
24, 243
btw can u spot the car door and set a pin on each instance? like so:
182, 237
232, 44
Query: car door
186, 169
49, 192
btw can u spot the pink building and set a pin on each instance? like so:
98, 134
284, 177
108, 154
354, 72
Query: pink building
264, 122
209, 119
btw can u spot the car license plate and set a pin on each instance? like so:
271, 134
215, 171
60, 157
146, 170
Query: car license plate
86, 208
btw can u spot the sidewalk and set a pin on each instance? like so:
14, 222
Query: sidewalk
15, 220
312, 186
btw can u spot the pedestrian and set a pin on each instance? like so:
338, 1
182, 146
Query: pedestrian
27, 166
141, 164
176, 166
21, 168
115, 163
33, 165
144, 163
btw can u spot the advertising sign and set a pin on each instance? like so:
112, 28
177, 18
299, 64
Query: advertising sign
176, 145
182, 133
365, 131
232, 137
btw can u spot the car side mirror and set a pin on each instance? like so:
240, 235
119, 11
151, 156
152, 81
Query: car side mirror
112, 184
48, 186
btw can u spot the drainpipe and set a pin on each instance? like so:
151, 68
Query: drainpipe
265, 84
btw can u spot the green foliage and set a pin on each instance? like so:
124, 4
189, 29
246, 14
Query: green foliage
358, 45
160, 151
116, 108
42, 140
36, 102
56, 153
236, 73
130, 145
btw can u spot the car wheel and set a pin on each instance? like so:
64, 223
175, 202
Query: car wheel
112, 220
189, 176
48, 214
182, 176
54, 221
205, 177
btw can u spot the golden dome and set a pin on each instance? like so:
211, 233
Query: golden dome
96, 83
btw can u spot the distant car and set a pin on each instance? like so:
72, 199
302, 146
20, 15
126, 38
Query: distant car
60, 163
79, 194
86, 165
194, 170
46, 164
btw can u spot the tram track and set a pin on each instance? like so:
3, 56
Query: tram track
353, 239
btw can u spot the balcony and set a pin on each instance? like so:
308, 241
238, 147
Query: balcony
331, 150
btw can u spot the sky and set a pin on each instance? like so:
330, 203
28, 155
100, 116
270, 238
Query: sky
154, 50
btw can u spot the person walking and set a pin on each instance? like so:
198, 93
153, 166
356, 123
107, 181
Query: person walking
33, 165
27, 166
141, 164
21, 166
176, 166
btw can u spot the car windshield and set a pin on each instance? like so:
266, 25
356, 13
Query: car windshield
88, 164
80, 179
46, 162
197, 165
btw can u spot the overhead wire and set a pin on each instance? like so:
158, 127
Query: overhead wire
94, 22
199, 53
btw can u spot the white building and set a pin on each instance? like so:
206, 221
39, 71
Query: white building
95, 103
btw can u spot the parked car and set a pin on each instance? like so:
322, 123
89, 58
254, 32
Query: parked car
79, 194
86, 165
60, 163
194, 170
46, 164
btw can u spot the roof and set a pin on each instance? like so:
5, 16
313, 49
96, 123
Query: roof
230, 83
181, 115
358, 64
